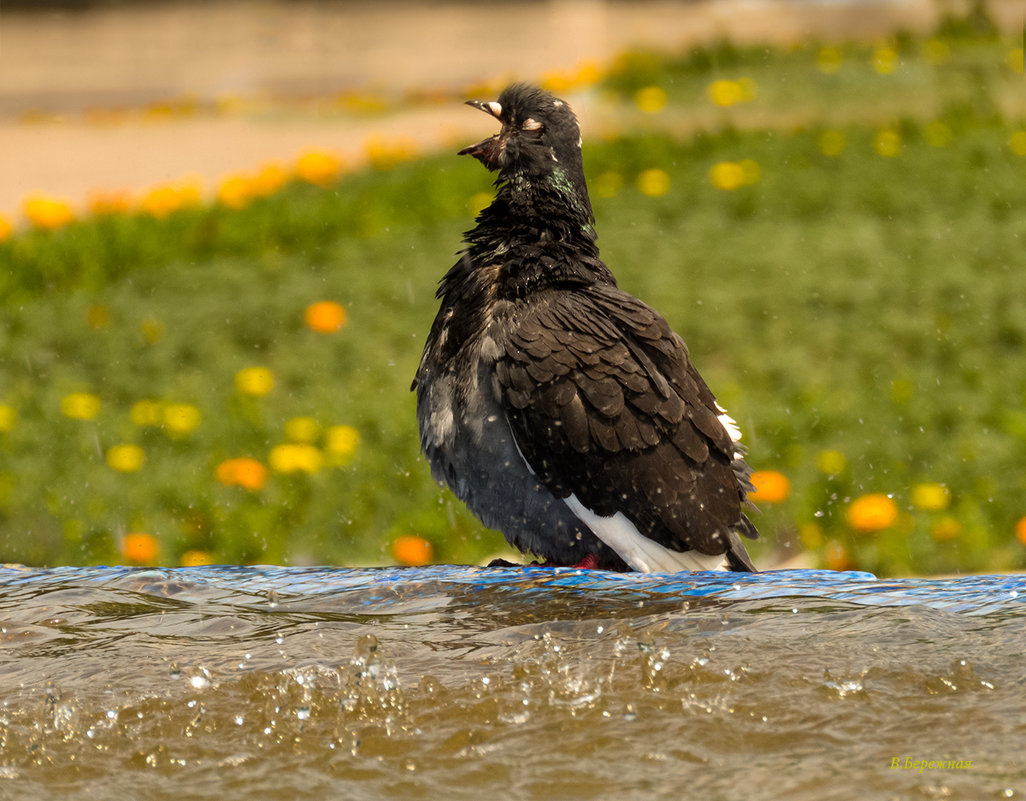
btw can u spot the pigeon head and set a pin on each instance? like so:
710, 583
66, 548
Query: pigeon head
538, 145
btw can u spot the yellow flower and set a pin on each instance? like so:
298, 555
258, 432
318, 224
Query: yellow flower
383, 152
80, 406
7, 417
255, 381
770, 487
887, 143
828, 60
1014, 60
1017, 143
608, 184
873, 512
140, 548
163, 199
831, 143
727, 175
726, 93
302, 429
341, 443
650, 99
325, 316
295, 458
884, 60
196, 558
102, 202
319, 167
654, 182
6, 229
234, 191
412, 551
146, 413
931, 497
270, 178
830, 463
181, 418
126, 458
242, 472
937, 134
47, 212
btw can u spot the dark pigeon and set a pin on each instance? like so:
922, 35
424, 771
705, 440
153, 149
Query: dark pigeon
563, 411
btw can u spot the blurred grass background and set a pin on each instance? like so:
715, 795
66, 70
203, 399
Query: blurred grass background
835, 228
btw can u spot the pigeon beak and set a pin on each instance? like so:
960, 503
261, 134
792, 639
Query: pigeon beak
489, 106
489, 150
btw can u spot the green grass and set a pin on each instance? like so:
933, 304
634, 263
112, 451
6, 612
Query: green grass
867, 305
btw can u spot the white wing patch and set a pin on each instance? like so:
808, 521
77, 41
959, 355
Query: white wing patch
637, 550
730, 424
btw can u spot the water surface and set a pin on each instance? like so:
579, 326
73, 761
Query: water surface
455, 682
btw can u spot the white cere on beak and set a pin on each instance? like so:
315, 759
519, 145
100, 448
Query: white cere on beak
495, 108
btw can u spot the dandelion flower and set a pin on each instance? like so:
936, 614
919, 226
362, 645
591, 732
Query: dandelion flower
341, 443
831, 143
196, 558
770, 487
830, 462
727, 175
887, 143
325, 316
931, 497
654, 182
140, 548
828, 60
80, 406
873, 512
302, 429
1017, 143
293, 457
234, 191
319, 167
607, 185
146, 413
181, 418
726, 93
650, 99
242, 472
126, 458
269, 179
884, 60
8, 416
6, 229
46, 212
412, 551
254, 381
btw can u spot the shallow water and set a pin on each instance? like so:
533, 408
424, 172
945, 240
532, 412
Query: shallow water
453, 682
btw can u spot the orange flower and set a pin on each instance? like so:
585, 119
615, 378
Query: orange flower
873, 512
1020, 530
140, 548
47, 212
770, 487
319, 167
836, 556
412, 551
242, 472
325, 316
6, 229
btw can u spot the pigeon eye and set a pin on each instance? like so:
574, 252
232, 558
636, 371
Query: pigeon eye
531, 124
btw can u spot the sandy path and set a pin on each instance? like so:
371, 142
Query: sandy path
58, 67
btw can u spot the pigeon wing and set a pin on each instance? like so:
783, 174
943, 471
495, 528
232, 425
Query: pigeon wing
605, 406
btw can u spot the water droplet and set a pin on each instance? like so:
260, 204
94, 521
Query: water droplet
303, 713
